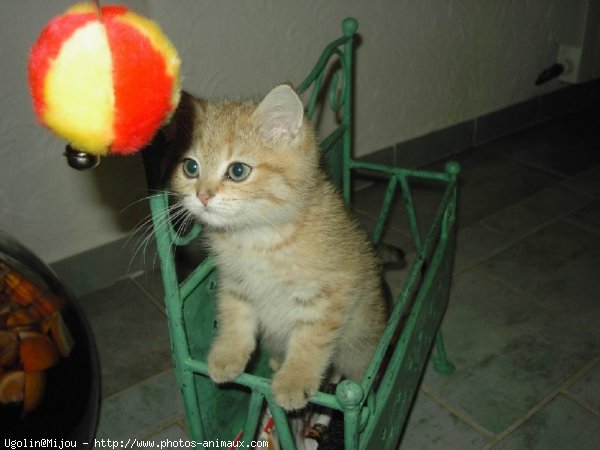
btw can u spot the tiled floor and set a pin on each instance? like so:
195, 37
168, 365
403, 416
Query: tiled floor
523, 325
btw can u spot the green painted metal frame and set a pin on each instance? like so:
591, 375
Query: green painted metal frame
376, 408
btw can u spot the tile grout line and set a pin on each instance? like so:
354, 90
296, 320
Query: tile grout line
137, 383
531, 165
581, 372
469, 421
175, 420
544, 402
149, 297
367, 185
580, 403
532, 196
494, 252
532, 298
519, 292
100, 287
560, 183
391, 226
510, 243
473, 265
482, 221
516, 425
525, 295
520, 238
582, 226
563, 184
183, 424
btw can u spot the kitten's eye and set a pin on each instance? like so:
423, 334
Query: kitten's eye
238, 171
190, 168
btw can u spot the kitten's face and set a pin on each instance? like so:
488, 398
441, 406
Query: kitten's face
247, 165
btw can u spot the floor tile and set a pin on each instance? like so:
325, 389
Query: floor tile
396, 279
475, 243
490, 182
187, 258
432, 427
170, 434
588, 216
141, 408
509, 355
563, 101
98, 268
182, 423
535, 211
151, 283
588, 388
560, 425
543, 148
131, 335
587, 182
580, 127
559, 266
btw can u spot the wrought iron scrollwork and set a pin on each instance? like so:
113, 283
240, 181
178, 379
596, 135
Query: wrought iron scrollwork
337, 92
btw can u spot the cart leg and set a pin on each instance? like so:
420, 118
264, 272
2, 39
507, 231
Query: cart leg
192, 409
439, 358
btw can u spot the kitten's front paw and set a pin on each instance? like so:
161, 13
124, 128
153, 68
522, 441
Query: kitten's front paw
226, 363
292, 390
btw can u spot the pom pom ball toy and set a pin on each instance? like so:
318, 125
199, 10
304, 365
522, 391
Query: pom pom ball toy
105, 79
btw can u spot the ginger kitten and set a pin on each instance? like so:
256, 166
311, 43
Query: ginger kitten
294, 268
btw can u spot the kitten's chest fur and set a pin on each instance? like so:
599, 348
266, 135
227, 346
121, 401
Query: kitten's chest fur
267, 266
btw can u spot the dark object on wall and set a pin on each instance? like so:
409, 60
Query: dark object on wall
550, 73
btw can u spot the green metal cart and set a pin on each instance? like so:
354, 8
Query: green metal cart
375, 409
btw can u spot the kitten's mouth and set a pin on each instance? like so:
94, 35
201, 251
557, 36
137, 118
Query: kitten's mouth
208, 216
215, 214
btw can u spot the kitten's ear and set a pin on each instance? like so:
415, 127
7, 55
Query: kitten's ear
279, 115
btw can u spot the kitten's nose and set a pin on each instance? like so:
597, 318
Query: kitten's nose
204, 197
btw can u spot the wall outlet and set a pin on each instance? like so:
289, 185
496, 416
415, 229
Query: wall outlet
570, 58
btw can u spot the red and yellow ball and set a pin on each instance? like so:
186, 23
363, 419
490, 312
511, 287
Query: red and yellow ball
104, 80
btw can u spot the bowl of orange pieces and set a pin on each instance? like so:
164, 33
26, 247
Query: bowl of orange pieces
47, 384
33, 338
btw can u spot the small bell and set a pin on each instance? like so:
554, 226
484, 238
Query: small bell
80, 160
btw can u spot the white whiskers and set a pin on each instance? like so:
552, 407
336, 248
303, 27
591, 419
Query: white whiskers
175, 215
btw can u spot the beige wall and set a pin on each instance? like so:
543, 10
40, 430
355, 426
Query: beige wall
421, 66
